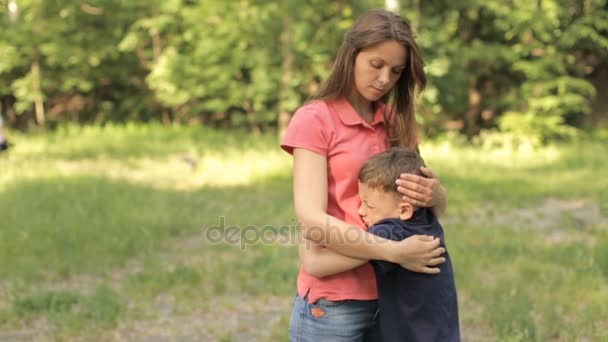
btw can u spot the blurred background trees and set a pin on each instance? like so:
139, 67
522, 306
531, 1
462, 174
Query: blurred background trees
521, 68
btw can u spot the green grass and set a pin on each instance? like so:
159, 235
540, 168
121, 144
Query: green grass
69, 310
99, 222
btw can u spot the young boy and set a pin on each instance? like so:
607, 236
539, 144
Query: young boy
413, 306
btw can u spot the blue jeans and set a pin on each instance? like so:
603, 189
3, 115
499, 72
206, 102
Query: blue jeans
339, 321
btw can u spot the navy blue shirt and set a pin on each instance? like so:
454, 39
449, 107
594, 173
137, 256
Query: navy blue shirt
415, 307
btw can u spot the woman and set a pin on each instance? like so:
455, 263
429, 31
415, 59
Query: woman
365, 106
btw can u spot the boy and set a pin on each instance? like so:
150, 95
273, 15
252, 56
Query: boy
413, 306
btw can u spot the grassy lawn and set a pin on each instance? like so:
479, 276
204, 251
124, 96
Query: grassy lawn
107, 232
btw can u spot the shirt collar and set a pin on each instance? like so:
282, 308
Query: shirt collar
350, 117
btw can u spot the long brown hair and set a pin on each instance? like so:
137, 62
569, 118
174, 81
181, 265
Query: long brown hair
372, 28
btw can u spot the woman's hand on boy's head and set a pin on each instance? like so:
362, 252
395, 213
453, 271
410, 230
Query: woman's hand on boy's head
421, 191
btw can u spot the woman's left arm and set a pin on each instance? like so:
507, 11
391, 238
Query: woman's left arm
320, 262
424, 191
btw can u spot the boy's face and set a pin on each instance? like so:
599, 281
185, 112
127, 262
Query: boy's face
377, 204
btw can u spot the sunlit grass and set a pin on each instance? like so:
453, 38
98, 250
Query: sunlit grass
179, 159
456, 154
514, 177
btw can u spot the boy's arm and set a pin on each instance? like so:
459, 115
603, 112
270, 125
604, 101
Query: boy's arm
319, 261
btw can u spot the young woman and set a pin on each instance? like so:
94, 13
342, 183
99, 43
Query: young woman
365, 106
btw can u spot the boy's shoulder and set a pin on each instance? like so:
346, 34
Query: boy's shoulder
422, 217
390, 228
387, 223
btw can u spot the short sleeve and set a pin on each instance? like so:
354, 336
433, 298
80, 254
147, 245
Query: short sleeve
389, 232
308, 129
384, 267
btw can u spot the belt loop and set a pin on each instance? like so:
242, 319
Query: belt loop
306, 296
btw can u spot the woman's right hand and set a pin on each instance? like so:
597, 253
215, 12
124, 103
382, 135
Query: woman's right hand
420, 253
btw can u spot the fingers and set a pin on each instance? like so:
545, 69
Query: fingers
414, 197
427, 172
427, 238
432, 243
430, 266
425, 254
410, 180
436, 261
437, 252
418, 202
430, 270
415, 186
408, 177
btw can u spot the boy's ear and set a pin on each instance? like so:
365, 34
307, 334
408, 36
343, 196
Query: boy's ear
407, 211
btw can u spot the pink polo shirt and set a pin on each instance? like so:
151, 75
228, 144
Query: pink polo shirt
335, 130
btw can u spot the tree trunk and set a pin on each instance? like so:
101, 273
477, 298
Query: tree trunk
8, 109
417, 15
599, 109
157, 48
36, 80
392, 5
287, 72
472, 115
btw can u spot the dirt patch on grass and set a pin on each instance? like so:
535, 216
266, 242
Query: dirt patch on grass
227, 318
472, 328
39, 330
550, 214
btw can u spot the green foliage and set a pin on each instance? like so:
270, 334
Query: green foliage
527, 61
535, 128
241, 63
237, 69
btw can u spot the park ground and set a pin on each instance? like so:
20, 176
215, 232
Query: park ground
106, 234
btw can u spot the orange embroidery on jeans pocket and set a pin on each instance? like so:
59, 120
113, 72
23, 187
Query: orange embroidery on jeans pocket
317, 312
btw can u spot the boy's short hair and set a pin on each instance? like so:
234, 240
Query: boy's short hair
382, 170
